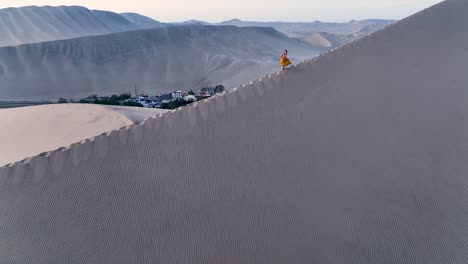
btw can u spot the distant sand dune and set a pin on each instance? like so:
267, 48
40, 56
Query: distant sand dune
73, 52
317, 40
157, 60
29, 131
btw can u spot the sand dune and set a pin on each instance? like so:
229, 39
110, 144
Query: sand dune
142, 21
357, 156
38, 24
29, 131
317, 40
157, 60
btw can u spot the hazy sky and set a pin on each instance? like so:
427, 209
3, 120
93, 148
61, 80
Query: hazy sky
258, 10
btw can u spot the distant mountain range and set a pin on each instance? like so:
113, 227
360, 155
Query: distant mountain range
38, 24
34, 24
300, 30
306, 29
71, 51
324, 34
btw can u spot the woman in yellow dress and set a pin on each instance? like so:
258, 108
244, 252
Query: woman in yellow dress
284, 61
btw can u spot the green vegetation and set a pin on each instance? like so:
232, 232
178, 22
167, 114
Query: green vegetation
131, 104
175, 104
109, 100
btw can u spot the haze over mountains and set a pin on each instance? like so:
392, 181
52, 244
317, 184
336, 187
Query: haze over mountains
37, 24
299, 30
71, 51
330, 34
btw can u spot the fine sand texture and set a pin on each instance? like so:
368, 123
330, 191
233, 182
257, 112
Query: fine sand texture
29, 131
357, 156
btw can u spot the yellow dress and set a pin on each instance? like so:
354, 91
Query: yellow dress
285, 62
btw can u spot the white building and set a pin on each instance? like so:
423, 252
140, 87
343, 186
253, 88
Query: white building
211, 90
190, 98
177, 95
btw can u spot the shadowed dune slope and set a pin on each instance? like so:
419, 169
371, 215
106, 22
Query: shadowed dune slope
33, 24
357, 156
157, 60
142, 21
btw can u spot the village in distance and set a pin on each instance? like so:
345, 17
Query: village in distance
170, 100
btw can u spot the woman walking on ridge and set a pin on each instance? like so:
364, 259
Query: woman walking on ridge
284, 61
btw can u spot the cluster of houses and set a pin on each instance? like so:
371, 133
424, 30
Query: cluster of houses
158, 101
165, 100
